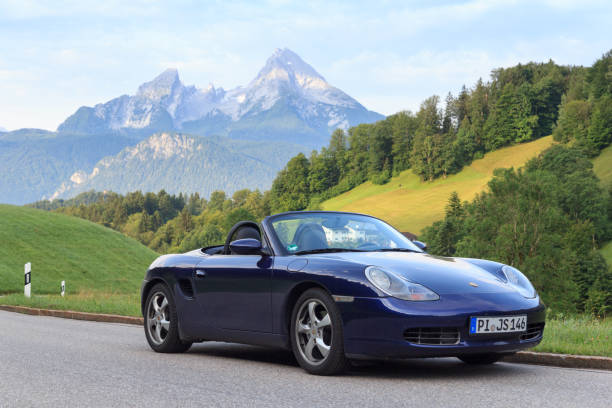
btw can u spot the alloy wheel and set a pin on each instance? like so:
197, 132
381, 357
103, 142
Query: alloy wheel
158, 318
313, 331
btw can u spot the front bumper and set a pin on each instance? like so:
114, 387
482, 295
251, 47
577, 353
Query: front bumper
376, 327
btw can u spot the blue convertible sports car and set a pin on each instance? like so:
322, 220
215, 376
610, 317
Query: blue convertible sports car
335, 287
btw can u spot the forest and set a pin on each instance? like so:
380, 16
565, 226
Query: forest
547, 219
519, 104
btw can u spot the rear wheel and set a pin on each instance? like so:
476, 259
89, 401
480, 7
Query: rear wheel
481, 359
316, 334
161, 322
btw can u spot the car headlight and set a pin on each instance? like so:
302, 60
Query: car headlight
398, 287
516, 279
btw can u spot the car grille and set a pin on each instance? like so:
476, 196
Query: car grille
435, 336
534, 330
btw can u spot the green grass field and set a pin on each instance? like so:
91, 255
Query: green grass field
89, 257
124, 304
410, 204
578, 335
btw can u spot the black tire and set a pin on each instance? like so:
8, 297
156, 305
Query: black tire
482, 359
168, 341
335, 362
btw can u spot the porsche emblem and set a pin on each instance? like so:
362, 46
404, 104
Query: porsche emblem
474, 284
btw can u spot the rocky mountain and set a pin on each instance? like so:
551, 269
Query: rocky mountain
183, 163
287, 101
212, 138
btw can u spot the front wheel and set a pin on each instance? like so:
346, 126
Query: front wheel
481, 359
316, 334
161, 322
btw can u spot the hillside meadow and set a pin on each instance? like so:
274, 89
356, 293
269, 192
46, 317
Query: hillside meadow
410, 204
88, 256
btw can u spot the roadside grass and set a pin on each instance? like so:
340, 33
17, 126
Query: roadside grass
410, 204
88, 256
583, 335
124, 304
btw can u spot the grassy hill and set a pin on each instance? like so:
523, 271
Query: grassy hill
410, 204
602, 165
89, 257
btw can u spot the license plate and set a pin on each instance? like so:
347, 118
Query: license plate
498, 324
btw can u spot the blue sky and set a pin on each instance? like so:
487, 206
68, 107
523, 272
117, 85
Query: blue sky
390, 55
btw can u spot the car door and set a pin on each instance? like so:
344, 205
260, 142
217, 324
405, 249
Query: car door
234, 291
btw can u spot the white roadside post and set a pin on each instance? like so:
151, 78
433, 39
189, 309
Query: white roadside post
27, 289
63, 287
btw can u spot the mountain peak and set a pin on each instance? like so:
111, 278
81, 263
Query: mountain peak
287, 89
285, 64
161, 85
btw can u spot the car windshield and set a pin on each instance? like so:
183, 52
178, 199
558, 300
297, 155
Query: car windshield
337, 232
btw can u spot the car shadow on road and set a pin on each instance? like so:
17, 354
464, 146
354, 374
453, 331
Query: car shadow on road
408, 368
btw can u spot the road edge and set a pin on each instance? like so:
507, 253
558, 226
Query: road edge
69, 314
560, 360
522, 357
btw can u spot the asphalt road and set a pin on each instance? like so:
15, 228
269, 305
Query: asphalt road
46, 361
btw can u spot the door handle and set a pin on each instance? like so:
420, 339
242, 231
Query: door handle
200, 273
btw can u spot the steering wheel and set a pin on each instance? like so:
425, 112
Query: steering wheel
367, 245
235, 228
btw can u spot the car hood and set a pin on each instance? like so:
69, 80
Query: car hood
440, 274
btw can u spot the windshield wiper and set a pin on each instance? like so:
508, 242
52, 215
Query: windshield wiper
397, 250
327, 250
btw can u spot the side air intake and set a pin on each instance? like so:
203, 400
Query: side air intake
186, 287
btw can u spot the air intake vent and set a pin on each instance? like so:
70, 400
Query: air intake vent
186, 288
534, 331
434, 336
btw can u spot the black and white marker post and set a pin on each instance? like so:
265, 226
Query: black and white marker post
63, 288
27, 288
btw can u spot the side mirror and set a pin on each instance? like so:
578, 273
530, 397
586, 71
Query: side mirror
246, 246
421, 245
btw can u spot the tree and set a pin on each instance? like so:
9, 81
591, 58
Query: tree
323, 171
235, 216
600, 77
428, 142
444, 235
186, 220
379, 153
511, 120
217, 198
291, 189
403, 128
573, 122
600, 129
